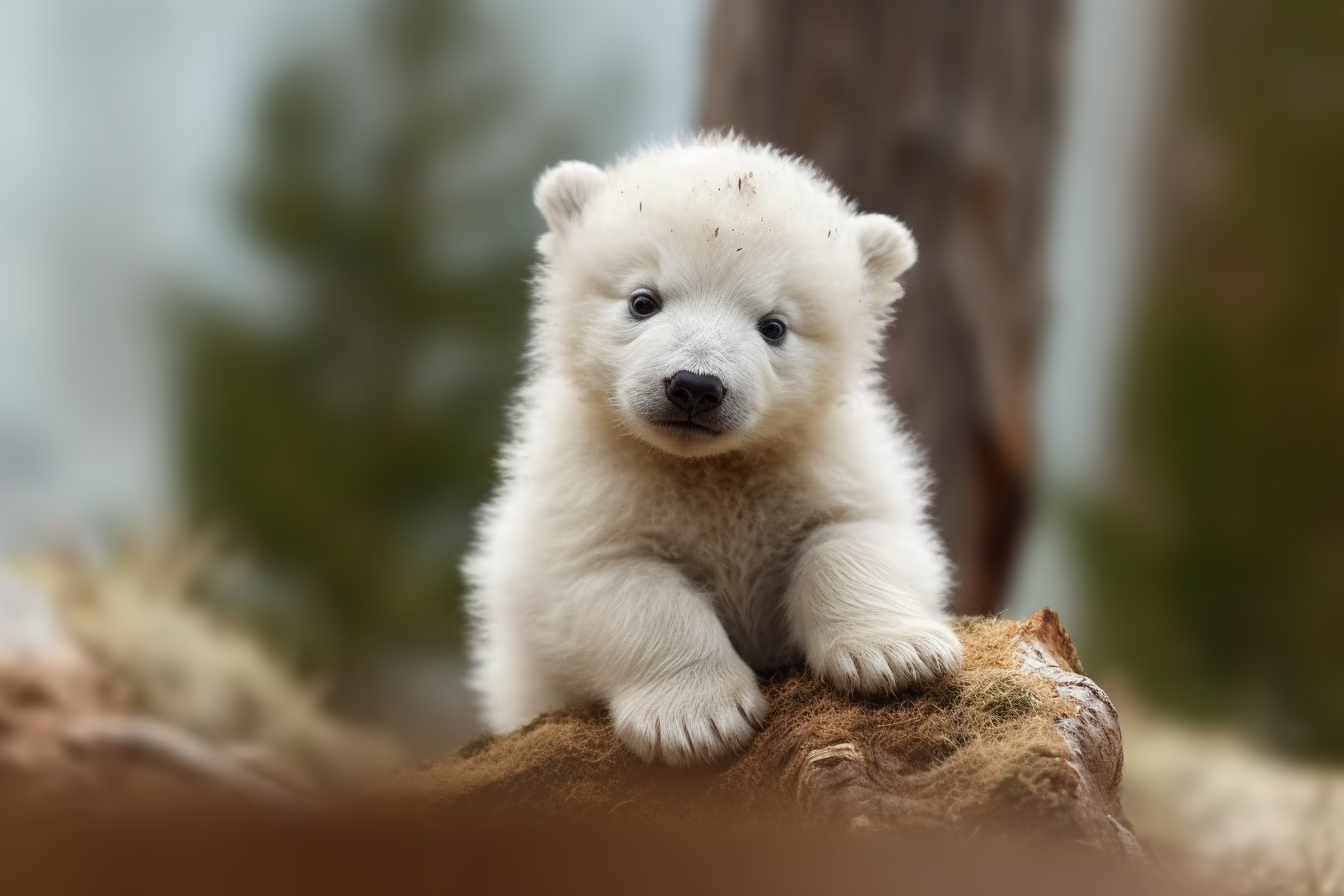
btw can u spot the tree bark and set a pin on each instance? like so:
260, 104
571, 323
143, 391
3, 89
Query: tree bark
944, 114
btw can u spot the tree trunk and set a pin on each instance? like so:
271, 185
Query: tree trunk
943, 114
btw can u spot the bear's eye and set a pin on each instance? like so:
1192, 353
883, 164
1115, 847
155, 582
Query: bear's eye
643, 303
773, 329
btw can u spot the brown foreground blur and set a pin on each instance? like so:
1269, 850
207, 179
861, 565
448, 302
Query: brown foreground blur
256, 853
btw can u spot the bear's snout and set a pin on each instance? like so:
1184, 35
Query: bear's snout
694, 393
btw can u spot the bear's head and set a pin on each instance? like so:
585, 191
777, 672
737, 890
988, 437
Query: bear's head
714, 295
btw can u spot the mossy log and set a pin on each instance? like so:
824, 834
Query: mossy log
1020, 740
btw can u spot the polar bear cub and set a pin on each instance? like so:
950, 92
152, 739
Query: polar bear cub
704, 476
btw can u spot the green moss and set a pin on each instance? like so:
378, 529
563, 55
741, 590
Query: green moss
1009, 702
476, 745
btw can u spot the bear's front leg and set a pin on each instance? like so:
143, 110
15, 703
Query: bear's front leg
865, 605
640, 636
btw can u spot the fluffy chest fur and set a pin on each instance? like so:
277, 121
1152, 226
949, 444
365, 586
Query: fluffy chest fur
732, 526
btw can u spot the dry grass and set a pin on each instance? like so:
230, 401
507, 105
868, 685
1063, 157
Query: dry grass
135, 613
1235, 816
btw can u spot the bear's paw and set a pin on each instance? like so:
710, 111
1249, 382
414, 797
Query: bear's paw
887, 660
703, 713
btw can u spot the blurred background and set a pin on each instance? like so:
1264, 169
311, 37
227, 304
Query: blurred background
262, 297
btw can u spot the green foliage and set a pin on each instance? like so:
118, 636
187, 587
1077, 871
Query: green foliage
345, 436
1219, 563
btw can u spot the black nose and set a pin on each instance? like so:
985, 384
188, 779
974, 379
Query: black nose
695, 393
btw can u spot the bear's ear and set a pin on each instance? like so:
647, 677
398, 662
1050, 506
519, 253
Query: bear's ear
887, 248
564, 190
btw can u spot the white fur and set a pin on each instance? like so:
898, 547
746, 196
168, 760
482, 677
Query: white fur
652, 570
